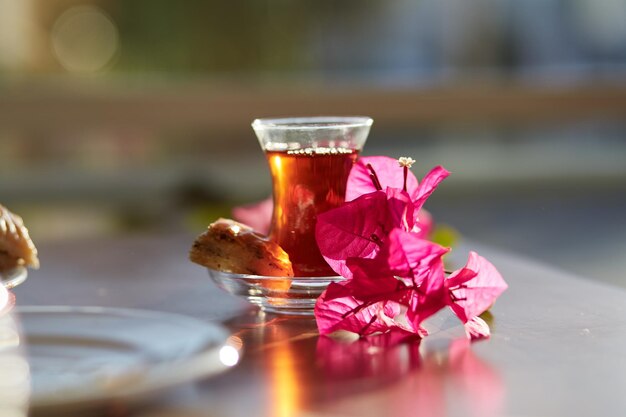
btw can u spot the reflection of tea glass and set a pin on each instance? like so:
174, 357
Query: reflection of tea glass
309, 159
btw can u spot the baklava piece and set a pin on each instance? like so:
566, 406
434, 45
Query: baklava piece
233, 247
16, 247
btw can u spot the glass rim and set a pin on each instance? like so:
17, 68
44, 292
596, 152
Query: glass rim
312, 123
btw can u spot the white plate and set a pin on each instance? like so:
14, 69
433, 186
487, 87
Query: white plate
14, 277
83, 356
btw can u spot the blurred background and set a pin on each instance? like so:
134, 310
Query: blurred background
122, 117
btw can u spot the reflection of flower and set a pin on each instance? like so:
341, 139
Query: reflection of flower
481, 386
421, 383
394, 277
383, 356
304, 200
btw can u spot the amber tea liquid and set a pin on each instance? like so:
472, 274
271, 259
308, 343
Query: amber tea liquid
306, 182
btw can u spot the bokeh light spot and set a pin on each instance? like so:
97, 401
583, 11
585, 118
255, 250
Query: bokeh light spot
84, 39
229, 356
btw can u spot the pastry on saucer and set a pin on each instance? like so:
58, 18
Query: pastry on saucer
233, 247
16, 247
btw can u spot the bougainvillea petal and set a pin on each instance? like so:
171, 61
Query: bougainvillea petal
401, 209
373, 281
403, 263
470, 295
460, 277
409, 256
350, 314
424, 224
356, 229
476, 328
388, 171
429, 298
258, 215
429, 185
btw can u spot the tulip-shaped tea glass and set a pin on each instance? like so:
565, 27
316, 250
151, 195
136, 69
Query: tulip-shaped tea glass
309, 160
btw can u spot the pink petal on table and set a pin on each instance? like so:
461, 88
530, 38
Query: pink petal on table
347, 313
476, 329
429, 185
474, 288
356, 229
258, 215
389, 173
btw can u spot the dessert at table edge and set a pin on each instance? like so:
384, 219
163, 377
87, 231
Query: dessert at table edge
233, 247
16, 247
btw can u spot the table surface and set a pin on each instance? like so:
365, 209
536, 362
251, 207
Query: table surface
558, 345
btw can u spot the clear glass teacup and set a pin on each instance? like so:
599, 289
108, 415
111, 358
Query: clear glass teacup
309, 160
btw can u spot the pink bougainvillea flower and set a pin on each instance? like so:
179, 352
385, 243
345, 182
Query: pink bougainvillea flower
395, 278
388, 172
474, 288
258, 215
359, 228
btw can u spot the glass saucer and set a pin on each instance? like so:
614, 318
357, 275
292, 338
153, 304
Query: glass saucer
282, 295
13, 277
83, 358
